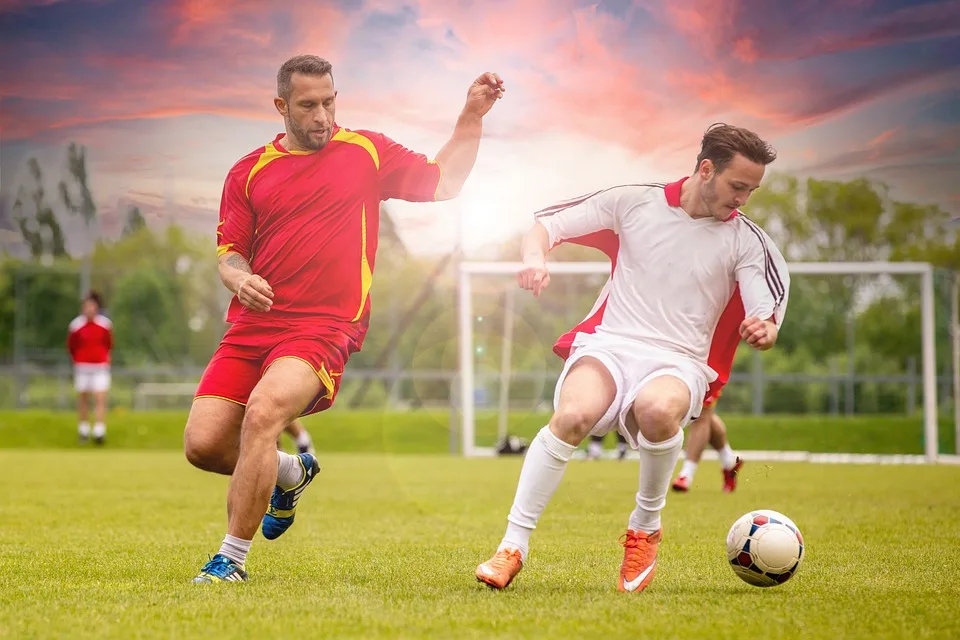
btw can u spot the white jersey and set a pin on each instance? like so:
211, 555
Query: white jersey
674, 274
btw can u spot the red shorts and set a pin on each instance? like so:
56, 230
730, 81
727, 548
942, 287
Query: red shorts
248, 349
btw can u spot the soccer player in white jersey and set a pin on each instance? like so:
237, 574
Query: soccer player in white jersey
685, 251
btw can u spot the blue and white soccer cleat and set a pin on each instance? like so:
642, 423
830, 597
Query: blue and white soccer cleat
283, 504
220, 569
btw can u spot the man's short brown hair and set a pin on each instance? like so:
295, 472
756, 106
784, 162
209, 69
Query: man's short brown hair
307, 65
723, 141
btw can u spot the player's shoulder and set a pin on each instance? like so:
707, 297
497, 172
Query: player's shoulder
747, 226
77, 322
103, 321
347, 134
752, 234
245, 164
634, 195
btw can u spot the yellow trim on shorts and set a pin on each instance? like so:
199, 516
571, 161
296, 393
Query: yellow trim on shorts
325, 378
208, 395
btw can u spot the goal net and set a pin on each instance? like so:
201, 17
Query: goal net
853, 378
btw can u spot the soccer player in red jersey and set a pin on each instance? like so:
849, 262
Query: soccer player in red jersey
90, 342
709, 427
297, 242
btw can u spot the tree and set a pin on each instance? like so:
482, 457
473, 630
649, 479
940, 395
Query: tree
84, 206
40, 228
135, 222
149, 318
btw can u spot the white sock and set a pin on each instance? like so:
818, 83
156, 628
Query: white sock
657, 462
289, 470
99, 430
235, 549
689, 470
543, 466
595, 449
727, 457
303, 440
84, 429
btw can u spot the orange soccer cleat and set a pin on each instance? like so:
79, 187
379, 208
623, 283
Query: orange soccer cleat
500, 570
639, 559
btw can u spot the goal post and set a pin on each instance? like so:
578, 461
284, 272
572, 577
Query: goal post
467, 382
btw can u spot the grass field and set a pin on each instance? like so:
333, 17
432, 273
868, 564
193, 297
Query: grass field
429, 431
102, 543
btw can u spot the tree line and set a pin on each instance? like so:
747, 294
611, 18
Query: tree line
168, 306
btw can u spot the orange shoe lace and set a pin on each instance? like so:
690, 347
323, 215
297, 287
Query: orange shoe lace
506, 560
635, 561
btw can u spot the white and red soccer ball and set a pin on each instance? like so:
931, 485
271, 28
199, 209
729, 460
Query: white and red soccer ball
764, 548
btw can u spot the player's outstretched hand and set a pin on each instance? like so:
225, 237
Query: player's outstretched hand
759, 334
481, 95
533, 278
254, 293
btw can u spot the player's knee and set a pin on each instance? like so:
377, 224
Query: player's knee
658, 417
573, 424
262, 421
201, 452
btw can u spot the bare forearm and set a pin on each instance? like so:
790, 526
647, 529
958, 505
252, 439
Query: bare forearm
535, 245
458, 155
233, 270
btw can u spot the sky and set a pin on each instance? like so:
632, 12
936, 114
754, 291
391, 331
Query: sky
167, 94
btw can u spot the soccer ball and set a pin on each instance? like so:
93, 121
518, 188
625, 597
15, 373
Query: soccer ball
765, 548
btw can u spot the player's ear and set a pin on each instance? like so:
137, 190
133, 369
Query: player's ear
706, 168
281, 105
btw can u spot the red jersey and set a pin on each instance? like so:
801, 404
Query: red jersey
90, 341
308, 222
726, 335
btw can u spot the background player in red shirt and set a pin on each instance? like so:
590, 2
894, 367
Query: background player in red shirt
709, 427
90, 341
297, 242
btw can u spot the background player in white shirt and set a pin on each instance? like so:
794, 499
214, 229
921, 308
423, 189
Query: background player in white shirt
685, 252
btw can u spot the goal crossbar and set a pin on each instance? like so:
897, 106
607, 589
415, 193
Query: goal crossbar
467, 269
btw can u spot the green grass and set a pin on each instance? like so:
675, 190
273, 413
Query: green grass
429, 431
103, 543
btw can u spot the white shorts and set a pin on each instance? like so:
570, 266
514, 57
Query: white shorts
632, 365
91, 379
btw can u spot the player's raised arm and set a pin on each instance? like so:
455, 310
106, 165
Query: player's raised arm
457, 157
764, 286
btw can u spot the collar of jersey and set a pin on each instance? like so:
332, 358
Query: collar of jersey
672, 192
279, 147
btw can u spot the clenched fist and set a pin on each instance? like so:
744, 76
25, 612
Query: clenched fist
759, 334
254, 293
533, 277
